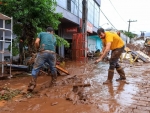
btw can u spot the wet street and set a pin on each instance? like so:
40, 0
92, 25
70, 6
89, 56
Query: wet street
83, 91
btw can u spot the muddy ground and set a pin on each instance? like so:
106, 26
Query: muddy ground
70, 96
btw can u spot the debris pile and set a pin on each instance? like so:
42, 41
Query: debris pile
71, 80
137, 51
134, 47
7, 93
77, 93
78, 96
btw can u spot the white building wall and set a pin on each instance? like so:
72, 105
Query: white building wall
125, 38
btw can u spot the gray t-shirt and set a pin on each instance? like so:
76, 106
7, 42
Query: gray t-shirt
47, 41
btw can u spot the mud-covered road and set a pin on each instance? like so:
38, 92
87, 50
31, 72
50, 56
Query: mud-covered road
83, 91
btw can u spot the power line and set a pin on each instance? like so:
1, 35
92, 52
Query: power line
117, 12
107, 18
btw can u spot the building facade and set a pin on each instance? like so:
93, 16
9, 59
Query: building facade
72, 20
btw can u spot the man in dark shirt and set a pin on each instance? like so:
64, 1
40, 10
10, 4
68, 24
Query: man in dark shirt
45, 43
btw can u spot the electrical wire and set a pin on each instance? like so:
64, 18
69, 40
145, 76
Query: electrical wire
108, 19
117, 12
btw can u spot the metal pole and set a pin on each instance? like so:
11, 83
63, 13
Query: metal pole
11, 55
129, 24
3, 47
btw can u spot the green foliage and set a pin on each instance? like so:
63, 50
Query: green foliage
17, 29
130, 34
38, 13
61, 41
7, 93
30, 17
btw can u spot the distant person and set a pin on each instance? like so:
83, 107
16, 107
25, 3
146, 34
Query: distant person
111, 41
118, 32
45, 44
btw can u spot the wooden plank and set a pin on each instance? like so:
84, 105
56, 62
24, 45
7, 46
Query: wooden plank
82, 85
134, 53
144, 55
127, 49
61, 69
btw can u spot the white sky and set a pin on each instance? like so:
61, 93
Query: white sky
128, 9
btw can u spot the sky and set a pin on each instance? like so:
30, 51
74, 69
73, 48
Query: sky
119, 12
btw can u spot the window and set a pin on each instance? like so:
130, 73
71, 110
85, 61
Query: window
74, 7
69, 5
80, 8
96, 15
62, 4
90, 11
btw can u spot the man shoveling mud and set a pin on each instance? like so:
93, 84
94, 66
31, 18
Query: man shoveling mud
111, 41
45, 44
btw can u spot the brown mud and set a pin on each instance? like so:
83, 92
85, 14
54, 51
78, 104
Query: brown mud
80, 92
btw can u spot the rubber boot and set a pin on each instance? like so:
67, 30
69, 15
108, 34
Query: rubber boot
121, 73
110, 77
32, 84
53, 81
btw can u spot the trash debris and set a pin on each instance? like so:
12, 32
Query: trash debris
72, 97
54, 103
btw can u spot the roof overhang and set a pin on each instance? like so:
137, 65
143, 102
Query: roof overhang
4, 17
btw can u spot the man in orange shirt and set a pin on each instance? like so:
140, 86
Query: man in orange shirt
111, 41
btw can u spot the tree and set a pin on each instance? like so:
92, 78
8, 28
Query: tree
31, 17
61, 41
130, 34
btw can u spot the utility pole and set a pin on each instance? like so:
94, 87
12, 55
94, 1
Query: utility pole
84, 16
129, 23
84, 25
